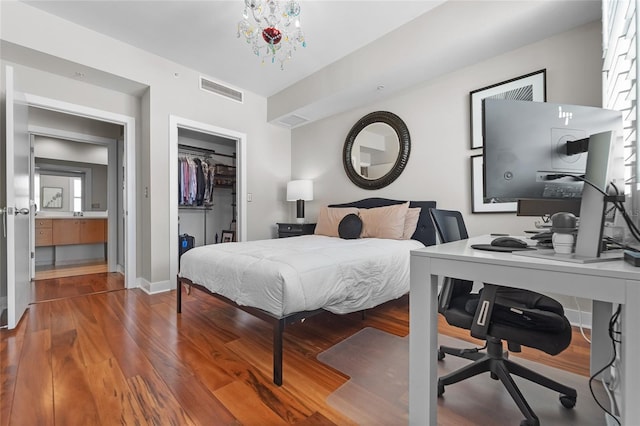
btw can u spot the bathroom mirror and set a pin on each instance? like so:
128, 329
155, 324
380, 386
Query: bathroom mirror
78, 169
376, 150
67, 186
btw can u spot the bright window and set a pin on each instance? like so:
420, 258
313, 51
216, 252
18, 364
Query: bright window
77, 194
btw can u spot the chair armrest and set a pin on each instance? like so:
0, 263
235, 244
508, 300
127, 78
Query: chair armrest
482, 317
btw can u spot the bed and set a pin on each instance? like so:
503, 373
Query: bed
283, 281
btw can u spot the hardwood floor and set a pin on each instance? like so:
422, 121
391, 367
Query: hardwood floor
76, 285
125, 357
48, 272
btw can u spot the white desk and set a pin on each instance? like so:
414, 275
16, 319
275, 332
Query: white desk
607, 282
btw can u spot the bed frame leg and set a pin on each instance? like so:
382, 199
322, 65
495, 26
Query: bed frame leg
278, 329
179, 296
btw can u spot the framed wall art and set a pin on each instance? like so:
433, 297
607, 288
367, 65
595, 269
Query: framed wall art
228, 236
51, 197
529, 87
478, 203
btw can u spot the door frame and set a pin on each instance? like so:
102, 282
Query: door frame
129, 208
176, 123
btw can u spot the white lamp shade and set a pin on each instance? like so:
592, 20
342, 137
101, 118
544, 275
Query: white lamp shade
300, 190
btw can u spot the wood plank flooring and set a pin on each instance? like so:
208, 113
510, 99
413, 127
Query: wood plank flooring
125, 357
49, 272
77, 285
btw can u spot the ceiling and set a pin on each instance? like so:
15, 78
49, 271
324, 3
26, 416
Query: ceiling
202, 35
409, 41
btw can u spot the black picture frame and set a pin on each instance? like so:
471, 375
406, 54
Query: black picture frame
478, 204
228, 236
528, 87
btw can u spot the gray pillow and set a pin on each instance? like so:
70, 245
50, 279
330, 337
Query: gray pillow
350, 227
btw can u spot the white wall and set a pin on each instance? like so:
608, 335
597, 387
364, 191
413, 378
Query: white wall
171, 89
437, 115
65, 150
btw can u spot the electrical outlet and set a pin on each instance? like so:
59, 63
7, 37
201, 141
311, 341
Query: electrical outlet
249, 197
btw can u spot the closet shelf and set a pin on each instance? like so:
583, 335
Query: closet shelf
195, 207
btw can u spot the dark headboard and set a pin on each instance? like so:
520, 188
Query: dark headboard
425, 232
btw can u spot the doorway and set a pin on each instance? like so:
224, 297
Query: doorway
237, 142
74, 186
18, 187
120, 227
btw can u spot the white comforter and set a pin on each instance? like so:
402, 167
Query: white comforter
296, 274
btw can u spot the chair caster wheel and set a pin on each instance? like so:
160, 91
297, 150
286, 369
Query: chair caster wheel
440, 389
494, 376
440, 355
527, 422
567, 401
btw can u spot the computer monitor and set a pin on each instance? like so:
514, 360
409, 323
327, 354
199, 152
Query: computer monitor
547, 207
526, 157
525, 147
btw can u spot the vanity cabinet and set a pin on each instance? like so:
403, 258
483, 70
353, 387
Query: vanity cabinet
70, 240
93, 231
75, 231
44, 234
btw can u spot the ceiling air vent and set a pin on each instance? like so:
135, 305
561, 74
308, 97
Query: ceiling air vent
292, 120
219, 89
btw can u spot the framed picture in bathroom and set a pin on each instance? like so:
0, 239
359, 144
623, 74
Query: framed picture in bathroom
51, 197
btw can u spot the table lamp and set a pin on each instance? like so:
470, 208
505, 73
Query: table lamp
300, 191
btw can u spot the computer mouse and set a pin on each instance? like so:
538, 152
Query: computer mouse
509, 242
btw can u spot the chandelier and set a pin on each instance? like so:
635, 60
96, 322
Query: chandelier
274, 32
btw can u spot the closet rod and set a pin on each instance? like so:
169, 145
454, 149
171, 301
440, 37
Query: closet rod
204, 150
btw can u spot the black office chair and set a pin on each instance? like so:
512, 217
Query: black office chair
498, 313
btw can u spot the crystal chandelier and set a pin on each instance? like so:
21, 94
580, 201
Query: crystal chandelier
274, 32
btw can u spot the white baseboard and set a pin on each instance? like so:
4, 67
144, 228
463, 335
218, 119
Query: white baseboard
153, 288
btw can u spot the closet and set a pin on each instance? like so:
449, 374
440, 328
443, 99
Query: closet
206, 187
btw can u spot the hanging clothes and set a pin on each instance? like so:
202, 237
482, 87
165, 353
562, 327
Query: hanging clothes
200, 183
195, 180
209, 172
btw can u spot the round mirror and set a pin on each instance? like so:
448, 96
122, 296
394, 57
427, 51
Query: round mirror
376, 150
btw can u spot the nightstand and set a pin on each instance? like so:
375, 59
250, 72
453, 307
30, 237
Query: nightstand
295, 229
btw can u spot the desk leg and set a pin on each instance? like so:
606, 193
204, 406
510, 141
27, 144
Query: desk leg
630, 347
423, 342
601, 350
